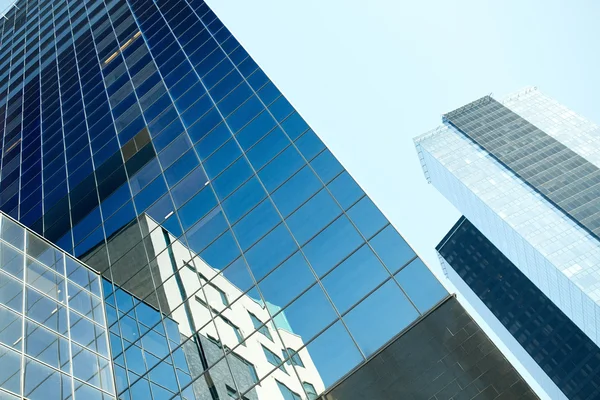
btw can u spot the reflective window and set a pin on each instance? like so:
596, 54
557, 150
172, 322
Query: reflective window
313, 216
258, 324
394, 313
273, 358
423, 289
392, 249
332, 245
41, 329
287, 393
345, 190
354, 278
367, 217
287, 281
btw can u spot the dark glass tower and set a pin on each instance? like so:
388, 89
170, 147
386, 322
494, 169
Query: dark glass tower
240, 259
552, 340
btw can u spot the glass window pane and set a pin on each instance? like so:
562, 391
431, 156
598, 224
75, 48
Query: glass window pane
189, 186
334, 354
326, 166
281, 168
164, 375
256, 224
420, 285
83, 302
45, 311
309, 145
392, 249
287, 281
296, 191
45, 280
243, 199
232, 178
221, 252
313, 216
83, 391
367, 217
229, 152
294, 125
135, 360
87, 334
345, 190
11, 260
380, 317
239, 274
12, 233
206, 230
82, 276
270, 251
329, 247
267, 148
85, 365
43, 383
10, 377
197, 207
10, 328
354, 278
41, 251
46, 346
11, 292
307, 315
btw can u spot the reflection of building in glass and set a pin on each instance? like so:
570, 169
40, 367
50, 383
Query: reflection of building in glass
525, 174
121, 115
208, 314
53, 335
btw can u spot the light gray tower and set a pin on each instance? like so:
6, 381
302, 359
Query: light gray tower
525, 173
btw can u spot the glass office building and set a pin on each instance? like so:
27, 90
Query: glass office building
560, 355
524, 173
53, 331
239, 258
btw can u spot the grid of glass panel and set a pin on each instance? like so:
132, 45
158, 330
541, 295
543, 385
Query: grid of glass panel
53, 335
563, 177
142, 138
563, 351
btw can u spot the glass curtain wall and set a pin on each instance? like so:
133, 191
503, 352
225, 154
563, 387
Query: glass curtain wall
142, 138
53, 333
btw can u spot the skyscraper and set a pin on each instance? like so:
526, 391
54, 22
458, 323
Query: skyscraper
239, 259
524, 173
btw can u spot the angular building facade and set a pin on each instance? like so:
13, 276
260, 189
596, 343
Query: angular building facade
524, 174
239, 259
555, 352
53, 330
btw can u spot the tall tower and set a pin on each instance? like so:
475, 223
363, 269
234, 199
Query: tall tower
524, 172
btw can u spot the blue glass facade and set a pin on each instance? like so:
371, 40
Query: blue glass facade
563, 351
140, 137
